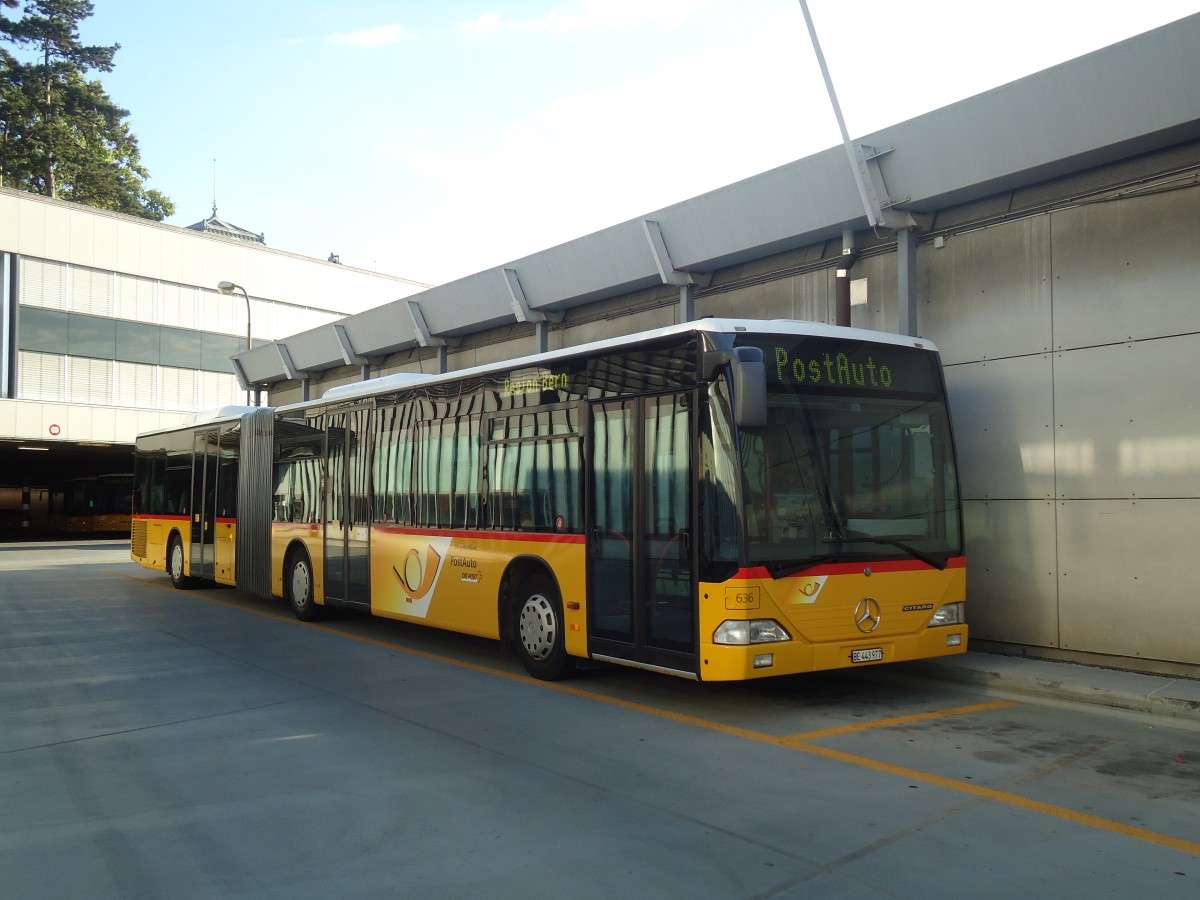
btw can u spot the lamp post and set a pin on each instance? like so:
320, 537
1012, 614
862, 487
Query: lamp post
227, 288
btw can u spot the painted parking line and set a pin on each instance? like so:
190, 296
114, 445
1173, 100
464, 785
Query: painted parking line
799, 743
795, 739
975, 790
864, 762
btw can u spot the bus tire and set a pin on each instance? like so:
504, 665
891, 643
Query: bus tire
175, 564
540, 631
299, 583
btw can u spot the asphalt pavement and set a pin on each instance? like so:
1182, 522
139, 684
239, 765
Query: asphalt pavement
201, 743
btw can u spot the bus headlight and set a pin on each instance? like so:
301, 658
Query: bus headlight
754, 631
950, 614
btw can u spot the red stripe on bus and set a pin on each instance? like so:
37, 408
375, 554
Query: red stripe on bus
851, 568
545, 537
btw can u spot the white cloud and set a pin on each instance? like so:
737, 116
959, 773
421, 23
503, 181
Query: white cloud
373, 37
489, 21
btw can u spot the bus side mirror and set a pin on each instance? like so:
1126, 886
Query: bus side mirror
749, 382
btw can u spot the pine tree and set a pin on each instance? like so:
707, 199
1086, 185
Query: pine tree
60, 133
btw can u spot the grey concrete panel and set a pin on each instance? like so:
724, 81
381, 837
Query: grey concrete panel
1003, 421
1125, 587
286, 393
514, 348
474, 303
788, 207
1128, 423
382, 330
1126, 270
986, 294
604, 329
1012, 571
774, 299
814, 297
880, 312
333, 378
485, 354
318, 349
808, 297
614, 261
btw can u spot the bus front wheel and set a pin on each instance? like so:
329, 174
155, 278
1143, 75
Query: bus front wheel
175, 563
539, 629
300, 588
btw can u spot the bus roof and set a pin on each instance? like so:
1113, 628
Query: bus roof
223, 414
402, 380
205, 417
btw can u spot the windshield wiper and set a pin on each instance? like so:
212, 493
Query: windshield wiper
785, 568
912, 551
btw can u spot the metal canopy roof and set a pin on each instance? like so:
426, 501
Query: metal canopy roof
1133, 97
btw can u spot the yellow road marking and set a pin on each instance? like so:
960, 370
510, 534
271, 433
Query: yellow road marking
975, 790
794, 742
962, 787
899, 720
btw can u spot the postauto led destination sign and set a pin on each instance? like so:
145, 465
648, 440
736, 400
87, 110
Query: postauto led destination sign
821, 363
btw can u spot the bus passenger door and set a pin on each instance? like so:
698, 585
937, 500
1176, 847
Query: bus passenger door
226, 507
204, 505
641, 586
347, 509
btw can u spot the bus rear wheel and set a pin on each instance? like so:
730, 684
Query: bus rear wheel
539, 630
299, 582
175, 563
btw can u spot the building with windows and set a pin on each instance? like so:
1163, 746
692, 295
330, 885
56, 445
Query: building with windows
112, 325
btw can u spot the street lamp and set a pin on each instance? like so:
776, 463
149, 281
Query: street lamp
227, 288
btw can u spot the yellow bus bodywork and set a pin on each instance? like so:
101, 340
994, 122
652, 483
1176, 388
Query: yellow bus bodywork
820, 612
449, 581
452, 581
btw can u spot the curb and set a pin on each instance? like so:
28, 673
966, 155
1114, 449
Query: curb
1157, 695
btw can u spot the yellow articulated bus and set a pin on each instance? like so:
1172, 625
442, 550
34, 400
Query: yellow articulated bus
90, 504
722, 500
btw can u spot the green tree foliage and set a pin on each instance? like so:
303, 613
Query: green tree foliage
60, 133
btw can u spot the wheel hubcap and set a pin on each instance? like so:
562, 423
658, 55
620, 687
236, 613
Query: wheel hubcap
299, 584
538, 627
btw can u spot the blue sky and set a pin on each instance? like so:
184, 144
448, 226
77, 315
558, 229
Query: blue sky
435, 140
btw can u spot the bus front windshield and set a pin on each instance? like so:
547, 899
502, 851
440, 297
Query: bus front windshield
846, 477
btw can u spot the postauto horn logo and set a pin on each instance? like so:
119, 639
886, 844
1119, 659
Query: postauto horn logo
416, 575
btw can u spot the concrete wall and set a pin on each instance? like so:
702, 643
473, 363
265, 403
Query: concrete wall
1071, 341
